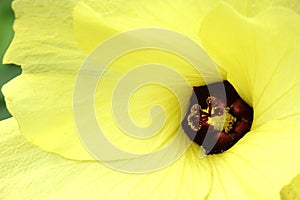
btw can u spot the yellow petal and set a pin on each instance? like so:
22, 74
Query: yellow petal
251, 8
44, 112
90, 27
27, 172
28, 97
41, 98
260, 56
251, 170
225, 34
95, 21
50, 32
259, 164
281, 91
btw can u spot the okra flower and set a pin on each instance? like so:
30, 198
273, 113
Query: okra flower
254, 46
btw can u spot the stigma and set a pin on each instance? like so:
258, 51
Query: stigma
214, 121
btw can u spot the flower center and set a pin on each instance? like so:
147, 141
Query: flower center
215, 121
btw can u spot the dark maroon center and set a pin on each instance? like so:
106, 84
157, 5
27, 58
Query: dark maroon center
217, 117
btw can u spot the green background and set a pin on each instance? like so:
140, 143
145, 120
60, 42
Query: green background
7, 72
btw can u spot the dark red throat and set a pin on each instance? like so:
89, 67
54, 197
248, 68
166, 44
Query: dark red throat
217, 117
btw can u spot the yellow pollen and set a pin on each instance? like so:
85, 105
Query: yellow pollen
223, 122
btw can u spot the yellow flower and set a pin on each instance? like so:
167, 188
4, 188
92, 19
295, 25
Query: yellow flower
256, 50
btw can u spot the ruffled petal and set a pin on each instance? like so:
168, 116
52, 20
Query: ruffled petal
27, 172
41, 98
46, 26
260, 56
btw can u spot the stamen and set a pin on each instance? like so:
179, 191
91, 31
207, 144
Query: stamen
214, 122
224, 121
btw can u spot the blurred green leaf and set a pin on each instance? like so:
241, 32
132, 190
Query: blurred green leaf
7, 72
